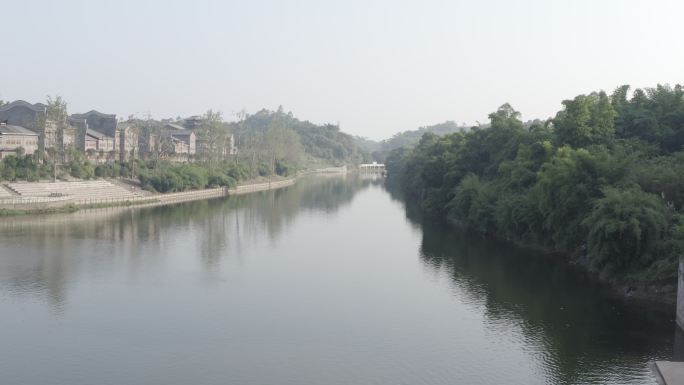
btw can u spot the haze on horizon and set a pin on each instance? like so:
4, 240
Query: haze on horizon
376, 67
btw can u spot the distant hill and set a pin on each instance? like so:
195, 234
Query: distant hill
410, 138
368, 145
380, 149
324, 143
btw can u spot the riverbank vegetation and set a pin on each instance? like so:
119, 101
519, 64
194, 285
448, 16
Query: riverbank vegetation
602, 182
269, 143
277, 134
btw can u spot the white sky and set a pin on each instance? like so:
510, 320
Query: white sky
376, 67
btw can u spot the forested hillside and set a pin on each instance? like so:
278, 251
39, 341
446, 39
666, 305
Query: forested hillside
379, 150
412, 137
602, 181
294, 140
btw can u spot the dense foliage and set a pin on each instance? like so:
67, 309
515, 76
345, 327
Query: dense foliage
293, 141
23, 167
603, 181
172, 177
160, 176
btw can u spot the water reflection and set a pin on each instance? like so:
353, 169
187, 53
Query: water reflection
41, 253
322, 282
576, 328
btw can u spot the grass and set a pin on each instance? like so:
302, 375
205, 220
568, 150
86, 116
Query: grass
70, 208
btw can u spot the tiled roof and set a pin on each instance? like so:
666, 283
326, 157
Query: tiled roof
96, 134
93, 112
177, 132
175, 126
38, 107
6, 129
76, 120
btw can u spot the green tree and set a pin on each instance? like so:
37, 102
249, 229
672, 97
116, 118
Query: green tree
213, 136
586, 119
625, 229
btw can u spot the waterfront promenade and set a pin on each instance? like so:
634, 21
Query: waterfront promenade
42, 196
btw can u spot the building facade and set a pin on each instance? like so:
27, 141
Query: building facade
184, 141
127, 141
94, 131
104, 132
12, 138
20, 113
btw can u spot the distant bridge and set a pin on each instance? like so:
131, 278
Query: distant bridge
372, 168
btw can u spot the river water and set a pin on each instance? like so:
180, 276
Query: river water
330, 281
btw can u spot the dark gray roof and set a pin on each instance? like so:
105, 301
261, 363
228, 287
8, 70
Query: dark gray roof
77, 123
175, 126
38, 107
178, 135
96, 134
177, 132
7, 129
76, 120
93, 112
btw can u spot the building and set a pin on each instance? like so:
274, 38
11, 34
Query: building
183, 141
80, 126
197, 145
14, 137
192, 123
68, 137
20, 113
98, 141
56, 135
95, 120
126, 141
100, 132
104, 131
23, 114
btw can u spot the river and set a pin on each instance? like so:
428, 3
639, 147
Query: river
331, 281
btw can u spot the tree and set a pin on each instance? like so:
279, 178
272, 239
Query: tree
57, 115
505, 117
653, 114
603, 179
213, 136
625, 228
585, 120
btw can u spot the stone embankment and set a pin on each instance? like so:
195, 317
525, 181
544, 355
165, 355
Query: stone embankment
41, 197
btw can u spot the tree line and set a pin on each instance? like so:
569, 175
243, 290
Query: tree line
380, 150
269, 143
602, 181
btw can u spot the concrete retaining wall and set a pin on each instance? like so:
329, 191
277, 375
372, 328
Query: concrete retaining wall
34, 203
41, 203
260, 187
187, 196
191, 195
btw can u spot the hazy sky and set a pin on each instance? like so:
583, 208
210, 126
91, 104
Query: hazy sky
376, 67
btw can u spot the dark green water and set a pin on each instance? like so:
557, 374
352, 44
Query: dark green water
326, 282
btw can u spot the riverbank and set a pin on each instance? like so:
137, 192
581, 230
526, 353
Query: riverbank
56, 205
285, 259
656, 295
